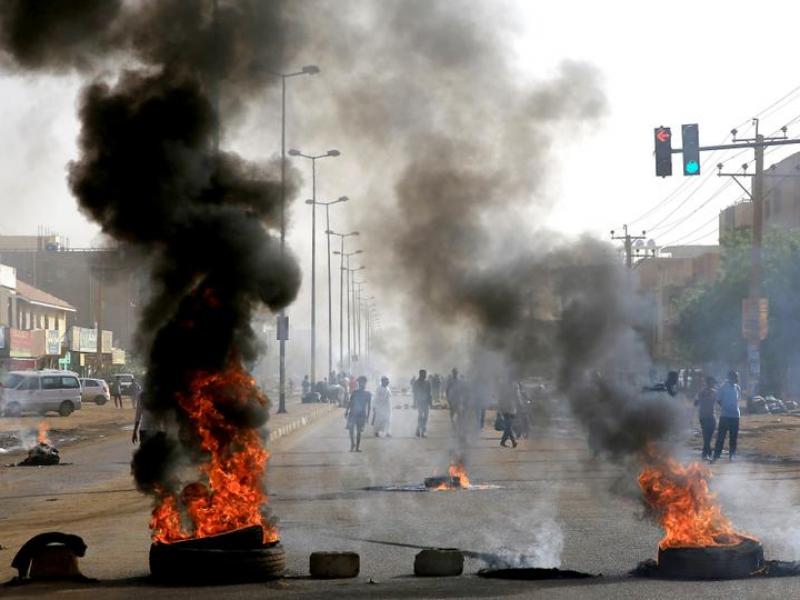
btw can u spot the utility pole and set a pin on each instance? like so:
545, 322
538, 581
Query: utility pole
628, 243
754, 308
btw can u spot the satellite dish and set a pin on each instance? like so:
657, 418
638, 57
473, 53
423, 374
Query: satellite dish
639, 243
651, 243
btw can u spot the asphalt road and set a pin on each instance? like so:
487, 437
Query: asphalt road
556, 502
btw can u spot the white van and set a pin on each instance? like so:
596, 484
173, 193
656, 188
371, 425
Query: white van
39, 392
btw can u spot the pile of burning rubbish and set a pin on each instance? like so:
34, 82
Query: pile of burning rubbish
43, 453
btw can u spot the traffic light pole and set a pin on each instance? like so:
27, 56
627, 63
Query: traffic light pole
754, 302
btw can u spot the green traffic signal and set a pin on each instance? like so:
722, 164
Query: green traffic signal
692, 167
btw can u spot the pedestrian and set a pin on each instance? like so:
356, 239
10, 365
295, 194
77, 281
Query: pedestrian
145, 424
453, 394
382, 416
306, 385
116, 392
436, 387
705, 401
422, 400
728, 397
357, 413
507, 401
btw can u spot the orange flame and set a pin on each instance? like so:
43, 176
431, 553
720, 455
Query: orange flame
232, 495
458, 470
42, 437
687, 510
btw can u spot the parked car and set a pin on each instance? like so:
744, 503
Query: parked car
125, 381
95, 390
39, 392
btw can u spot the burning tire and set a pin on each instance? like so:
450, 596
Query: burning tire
439, 562
177, 563
712, 562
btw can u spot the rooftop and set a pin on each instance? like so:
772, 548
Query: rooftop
42, 298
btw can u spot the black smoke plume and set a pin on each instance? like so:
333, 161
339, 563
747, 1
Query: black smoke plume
151, 174
462, 150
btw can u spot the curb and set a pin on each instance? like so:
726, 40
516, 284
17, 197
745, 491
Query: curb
284, 430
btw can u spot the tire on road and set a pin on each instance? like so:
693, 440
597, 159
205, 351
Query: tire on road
66, 408
100, 400
439, 562
712, 562
173, 563
334, 565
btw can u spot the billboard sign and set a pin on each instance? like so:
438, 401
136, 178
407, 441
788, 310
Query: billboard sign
21, 343
53, 342
88, 340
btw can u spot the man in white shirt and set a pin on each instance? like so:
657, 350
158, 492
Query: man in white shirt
382, 415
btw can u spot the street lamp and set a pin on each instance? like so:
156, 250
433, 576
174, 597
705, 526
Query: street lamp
342, 236
357, 315
313, 158
306, 70
327, 206
350, 292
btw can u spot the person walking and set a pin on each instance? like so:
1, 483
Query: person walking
453, 394
423, 399
382, 415
357, 413
507, 407
436, 387
116, 392
146, 425
705, 402
728, 397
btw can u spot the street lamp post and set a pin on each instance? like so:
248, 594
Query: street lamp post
307, 70
350, 293
357, 315
327, 206
342, 236
313, 158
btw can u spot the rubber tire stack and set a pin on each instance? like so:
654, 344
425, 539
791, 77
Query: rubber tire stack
177, 564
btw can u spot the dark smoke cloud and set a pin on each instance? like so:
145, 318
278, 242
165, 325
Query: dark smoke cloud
461, 150
151, 175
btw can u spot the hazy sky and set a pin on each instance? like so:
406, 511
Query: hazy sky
716, 63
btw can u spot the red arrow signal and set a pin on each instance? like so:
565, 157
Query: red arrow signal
662, 135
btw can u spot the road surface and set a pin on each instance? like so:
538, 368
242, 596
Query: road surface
555, 501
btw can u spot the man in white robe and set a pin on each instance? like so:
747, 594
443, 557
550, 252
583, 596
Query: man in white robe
382, 415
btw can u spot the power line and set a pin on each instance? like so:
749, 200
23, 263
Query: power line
709, 199
713, 219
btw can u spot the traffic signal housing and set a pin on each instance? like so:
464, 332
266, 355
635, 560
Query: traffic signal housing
690, 138
663, 139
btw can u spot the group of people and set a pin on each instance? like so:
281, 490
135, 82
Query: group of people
359, 408
727, 396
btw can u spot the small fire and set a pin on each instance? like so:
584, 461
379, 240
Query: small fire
231, 495
42, 437
458, 470
687, 510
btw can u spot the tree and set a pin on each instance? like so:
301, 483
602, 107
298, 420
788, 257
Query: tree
708, 327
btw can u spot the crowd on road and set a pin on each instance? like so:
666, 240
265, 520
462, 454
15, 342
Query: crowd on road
467, 402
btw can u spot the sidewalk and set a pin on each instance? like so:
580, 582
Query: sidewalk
298, 415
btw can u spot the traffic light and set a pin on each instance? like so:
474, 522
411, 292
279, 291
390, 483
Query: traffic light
663, 137
690, 137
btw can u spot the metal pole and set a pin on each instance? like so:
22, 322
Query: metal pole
313, 269
351, 292
330, 301
341, 305
282, 314
756, 268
